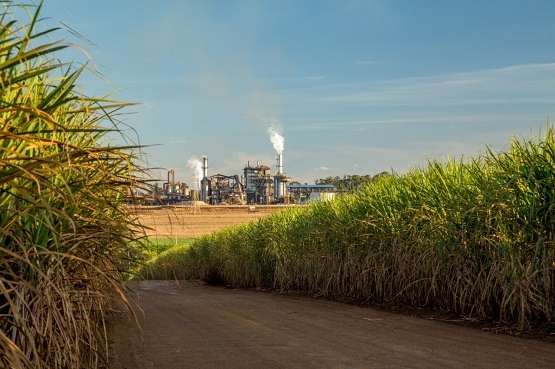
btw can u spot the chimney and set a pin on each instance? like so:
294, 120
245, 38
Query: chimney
204, 167
280, 164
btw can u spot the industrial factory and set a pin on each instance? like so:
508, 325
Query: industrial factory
256, 186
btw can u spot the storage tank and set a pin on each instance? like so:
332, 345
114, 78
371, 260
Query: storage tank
318, 196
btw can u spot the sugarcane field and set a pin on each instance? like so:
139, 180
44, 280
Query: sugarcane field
264, 184
199, 323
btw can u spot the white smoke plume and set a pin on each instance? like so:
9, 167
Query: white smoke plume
196, 166
277, 139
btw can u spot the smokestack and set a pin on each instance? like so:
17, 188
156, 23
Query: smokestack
280, 164
204, 167
170, 176
205, 182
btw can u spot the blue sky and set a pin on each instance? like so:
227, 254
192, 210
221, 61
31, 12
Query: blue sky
356, 87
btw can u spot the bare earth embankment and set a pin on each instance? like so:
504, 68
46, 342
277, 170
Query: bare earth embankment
188, 324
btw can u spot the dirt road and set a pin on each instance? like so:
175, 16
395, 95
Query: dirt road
192, 325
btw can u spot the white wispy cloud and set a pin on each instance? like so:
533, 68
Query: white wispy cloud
404, 118
507, 85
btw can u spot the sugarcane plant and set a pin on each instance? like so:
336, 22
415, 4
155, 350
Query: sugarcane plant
64, 232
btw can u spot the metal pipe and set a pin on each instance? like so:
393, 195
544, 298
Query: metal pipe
277, 193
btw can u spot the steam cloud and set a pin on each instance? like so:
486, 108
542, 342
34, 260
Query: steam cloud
277, 139
196, 166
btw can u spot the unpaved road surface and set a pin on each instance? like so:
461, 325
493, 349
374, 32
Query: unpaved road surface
193, 325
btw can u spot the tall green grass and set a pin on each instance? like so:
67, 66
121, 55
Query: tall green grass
64, 234
473, 237
154, 246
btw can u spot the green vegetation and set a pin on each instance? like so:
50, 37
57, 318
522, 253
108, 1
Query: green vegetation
169, 264
350, 183
64, 235
156, 246
475, 237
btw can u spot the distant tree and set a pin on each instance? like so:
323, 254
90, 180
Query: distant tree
348, 183
327, 180
381, 175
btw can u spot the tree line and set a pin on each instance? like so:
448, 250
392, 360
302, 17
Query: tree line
350, 182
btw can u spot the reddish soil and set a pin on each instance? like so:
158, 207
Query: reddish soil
188, 324
193, 222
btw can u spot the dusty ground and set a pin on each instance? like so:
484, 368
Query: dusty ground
193, 325
188, 324
192, 222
